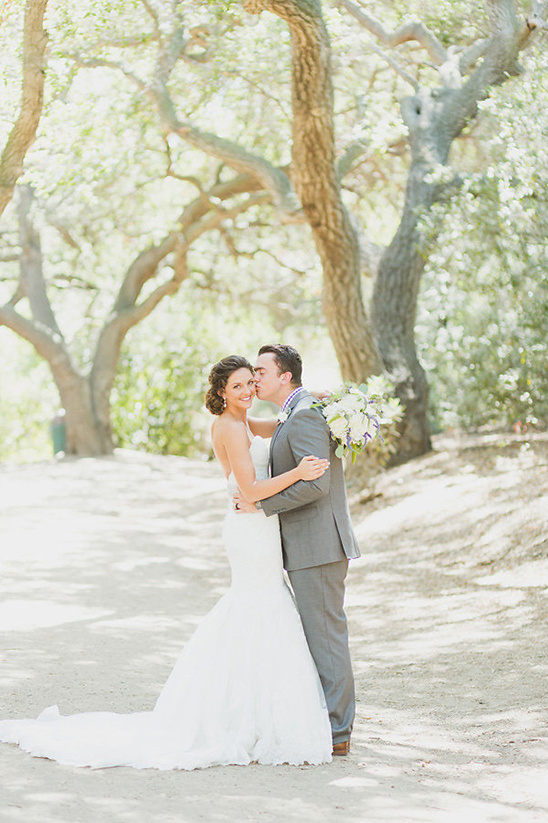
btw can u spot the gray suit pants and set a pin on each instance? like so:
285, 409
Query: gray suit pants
319, 592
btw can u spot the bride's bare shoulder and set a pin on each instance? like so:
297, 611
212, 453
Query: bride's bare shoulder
227, 430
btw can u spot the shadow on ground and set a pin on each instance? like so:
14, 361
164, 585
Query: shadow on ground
109, 564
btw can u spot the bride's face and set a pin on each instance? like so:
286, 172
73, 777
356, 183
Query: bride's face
240, 390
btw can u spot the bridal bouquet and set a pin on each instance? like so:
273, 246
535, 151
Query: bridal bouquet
356, 414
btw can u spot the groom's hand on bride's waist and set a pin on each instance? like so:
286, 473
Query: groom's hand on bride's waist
243, 506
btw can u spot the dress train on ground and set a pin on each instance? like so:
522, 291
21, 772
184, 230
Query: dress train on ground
244, 689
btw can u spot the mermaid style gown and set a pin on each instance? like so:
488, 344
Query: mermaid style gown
244, 688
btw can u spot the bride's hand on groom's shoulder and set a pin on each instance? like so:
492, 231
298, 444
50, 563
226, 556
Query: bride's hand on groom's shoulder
243, 506
320, 394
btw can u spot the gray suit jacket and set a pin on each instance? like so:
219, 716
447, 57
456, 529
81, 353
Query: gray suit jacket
314, 516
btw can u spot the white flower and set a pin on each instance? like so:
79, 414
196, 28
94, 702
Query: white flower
282, 417
371, 426
358, 426
349, 402
355, 414
356, 392
339, 427
331, 409
377, 386
390, 410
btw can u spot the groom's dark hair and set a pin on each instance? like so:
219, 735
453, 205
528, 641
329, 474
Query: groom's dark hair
287, 359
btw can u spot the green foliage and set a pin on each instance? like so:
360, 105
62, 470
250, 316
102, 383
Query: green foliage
157, 399
100, 167
452, 21
485, 297
99, 164
28, 402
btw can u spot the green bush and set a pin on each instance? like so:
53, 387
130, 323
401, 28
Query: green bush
484, 309
28, 402
158, 399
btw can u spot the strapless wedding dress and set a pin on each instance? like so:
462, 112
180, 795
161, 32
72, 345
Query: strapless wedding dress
244, 688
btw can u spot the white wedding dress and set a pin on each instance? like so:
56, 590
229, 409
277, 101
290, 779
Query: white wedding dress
244, 688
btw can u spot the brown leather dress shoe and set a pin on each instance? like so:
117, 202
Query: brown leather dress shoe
340, 749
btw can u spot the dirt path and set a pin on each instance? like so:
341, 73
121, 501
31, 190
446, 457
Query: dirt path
109, 564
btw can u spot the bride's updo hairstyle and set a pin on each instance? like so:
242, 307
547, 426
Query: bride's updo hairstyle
218, 378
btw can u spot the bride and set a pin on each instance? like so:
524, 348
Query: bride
245, 688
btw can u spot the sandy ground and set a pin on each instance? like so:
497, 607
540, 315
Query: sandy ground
109, 564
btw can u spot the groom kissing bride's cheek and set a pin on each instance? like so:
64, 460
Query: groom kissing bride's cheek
256, 683
316, 530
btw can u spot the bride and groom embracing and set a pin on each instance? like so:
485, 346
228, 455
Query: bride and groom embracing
259, 681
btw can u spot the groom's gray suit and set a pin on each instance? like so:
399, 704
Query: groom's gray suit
317, 540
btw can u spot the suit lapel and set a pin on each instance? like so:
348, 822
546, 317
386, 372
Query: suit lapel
272, 441
280, 426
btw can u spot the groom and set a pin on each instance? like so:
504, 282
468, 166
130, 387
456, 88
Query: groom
317, 535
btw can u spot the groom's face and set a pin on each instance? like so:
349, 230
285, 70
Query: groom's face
268, 380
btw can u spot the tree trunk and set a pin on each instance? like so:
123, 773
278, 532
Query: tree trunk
87, 429
393, 312
88, 435
317, 184
86, 398
396, 290
32, 96
103, 372
435, 117
87, 432
313, 172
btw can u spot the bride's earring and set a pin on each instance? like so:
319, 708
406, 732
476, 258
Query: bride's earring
224, 402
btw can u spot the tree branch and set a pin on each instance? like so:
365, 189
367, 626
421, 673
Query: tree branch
191, 226
17, 296
445, 59
142, 269
64, 232
145, 265
396, 66
127, 314
352, 153
24, 130
153, 14
74, 279
185, 178
273, 179
261, 90
238, 158
471, 55
279, 262
102, 62
508, 37
48, 345
215, 220
31, 265
409, 31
